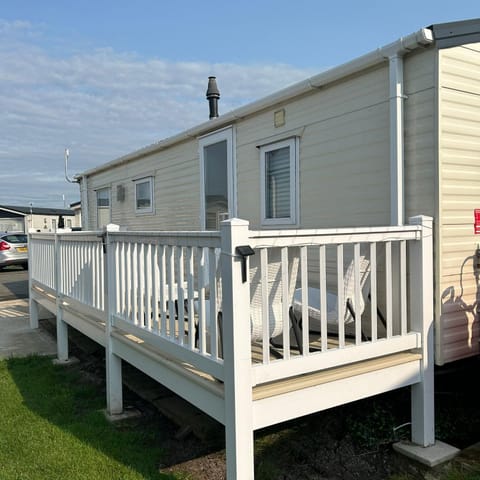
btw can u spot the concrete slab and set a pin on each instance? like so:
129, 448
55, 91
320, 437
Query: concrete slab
69, 361
430, 456
17, 339
127, 414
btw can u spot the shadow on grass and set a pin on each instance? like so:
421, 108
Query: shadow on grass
62, 397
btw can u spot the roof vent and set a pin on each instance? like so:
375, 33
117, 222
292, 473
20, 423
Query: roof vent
213, 94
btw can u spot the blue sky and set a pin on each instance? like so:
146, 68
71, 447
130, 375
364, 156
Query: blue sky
103, 78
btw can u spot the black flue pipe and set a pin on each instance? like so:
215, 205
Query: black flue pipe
213, 94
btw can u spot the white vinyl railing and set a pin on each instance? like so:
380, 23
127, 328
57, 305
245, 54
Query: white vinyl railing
162, 286
351, 290
70, 264
42, 258
181, 291
81, 268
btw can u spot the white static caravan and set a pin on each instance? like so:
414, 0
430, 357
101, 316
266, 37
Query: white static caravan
39, 219
386, 136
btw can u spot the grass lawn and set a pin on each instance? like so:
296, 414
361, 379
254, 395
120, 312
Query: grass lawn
52, 427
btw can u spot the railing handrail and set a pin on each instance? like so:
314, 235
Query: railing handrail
181, 238
303, 237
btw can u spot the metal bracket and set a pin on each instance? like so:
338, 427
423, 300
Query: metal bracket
103, 236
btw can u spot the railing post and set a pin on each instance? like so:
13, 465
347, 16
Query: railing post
113, 363
62, 327
237, 354
421, 314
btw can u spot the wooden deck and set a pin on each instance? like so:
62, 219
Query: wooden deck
259, 392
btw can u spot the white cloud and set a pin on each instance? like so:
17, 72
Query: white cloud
101, 104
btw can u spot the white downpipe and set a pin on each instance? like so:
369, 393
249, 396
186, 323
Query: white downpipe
397, 195
84, 201
395, 52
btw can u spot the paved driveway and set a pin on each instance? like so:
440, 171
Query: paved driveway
16, 336
13, 283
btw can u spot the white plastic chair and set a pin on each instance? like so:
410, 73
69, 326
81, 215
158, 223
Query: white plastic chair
274, 293
348, 311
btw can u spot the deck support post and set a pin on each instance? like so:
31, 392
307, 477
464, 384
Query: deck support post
113, 363
421, 315
237, 354
62, 327
62, 335
33, 308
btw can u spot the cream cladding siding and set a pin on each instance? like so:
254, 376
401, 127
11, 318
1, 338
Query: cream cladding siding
459, 159
344, 166
176, 173
420, 133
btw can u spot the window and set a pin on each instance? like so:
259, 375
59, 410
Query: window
279, 177
144, 195
103, 207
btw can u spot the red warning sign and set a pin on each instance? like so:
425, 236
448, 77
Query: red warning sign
476, 214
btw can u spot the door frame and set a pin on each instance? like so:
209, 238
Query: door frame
226, 134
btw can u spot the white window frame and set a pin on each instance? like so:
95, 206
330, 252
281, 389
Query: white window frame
102, 207
293, 144
227, 134
144, 210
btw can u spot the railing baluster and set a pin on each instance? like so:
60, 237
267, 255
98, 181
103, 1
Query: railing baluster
285, 304
323, 298
265, 315
155, 287
304, 286
140, 285
373, 291
340, 298
81, 268
212, 280
201, 300
121, 280
403, 288
163, 283
134, 289
357, 293
388, 288
128, 281
171, 286
191, 305
180, 295
148, 284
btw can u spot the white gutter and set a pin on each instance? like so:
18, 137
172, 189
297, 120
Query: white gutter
415, 40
